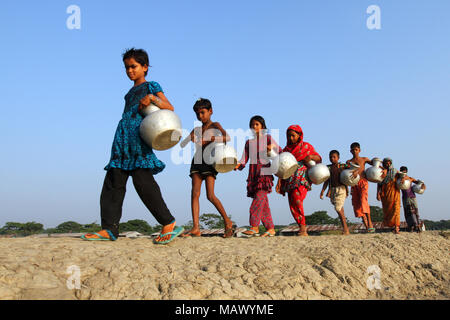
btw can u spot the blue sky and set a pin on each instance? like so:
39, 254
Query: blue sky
313, 63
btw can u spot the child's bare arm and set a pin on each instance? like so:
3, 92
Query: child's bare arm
224, 138
189, 138
197, 136
325, 185
361, 168
158, 100
278, 187
161, 101
241, 164
378, 192
192, 135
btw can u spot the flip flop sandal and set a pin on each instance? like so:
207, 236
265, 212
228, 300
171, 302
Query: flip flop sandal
267, 234
371, 230
249, 235
99, 237
175, 233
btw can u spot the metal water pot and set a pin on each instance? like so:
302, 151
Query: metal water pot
406, 184
417, 187
284, 164
318, 173
161, 128
346, 175
374, 173
221, 156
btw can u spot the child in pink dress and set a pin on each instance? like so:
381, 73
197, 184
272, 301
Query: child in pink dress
260, 179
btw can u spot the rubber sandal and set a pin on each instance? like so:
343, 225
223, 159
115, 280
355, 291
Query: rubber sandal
371, 230
99, 236
175, 233
267, 234
253, 233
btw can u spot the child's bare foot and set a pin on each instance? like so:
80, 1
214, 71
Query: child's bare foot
302, 232
229, 229
194, 232
167, 228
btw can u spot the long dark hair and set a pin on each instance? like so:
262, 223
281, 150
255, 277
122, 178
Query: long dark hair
259, 119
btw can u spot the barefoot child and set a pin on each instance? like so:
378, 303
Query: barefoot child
297, 186
200, 170
259, 182
130, 156
337, 191
410, 206
360, 192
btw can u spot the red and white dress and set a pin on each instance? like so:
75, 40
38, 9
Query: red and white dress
259, 181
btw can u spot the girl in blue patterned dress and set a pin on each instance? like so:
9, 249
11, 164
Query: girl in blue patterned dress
130, 156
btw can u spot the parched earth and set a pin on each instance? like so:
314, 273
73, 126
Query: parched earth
359, 266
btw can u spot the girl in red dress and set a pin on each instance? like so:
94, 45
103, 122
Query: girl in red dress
298, 184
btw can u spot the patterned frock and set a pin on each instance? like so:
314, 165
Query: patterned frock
257, 181
129, 151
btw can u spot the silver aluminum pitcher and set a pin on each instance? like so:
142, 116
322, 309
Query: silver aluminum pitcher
374, 173
318, 173
346, 175
221, 156
406, 184
417, 187
161, 128
284, 164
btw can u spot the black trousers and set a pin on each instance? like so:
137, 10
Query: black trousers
113, 193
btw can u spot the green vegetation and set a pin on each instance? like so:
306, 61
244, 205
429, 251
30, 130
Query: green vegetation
73, 227
24, 229
140, 226
437, 225
376, 214
321, 217
207, 221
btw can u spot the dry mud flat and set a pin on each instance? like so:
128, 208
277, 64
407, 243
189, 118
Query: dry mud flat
359, 266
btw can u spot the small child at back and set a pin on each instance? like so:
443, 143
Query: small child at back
337, 191
410, 207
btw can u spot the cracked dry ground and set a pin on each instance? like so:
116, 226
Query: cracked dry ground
412, 266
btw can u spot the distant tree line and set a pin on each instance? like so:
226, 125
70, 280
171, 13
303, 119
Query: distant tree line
207, 221
437, 225
29, 228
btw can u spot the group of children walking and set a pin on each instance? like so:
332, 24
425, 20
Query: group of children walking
387, 192
130, 156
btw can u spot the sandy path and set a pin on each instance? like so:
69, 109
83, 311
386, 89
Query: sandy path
412, 266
